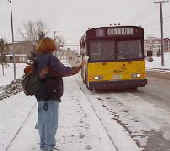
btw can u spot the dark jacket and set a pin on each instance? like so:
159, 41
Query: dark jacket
52, 87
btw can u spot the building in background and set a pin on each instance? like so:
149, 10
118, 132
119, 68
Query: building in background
21, 49
153, 44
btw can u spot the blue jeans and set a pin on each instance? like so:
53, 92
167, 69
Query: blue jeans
47, 123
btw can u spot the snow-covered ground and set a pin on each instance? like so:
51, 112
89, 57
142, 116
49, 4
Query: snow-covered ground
80, 129
13, 114
156, 63
9, 73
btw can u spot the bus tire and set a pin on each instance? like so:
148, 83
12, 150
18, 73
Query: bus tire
134, 88
90, 87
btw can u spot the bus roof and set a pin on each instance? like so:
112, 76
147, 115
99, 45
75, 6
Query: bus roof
113, 31
115, 27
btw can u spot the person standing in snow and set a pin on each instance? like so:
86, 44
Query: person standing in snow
51, 72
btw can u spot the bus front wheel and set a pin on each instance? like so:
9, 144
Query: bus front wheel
88, 86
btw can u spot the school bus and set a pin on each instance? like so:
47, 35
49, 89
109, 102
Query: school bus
114, 57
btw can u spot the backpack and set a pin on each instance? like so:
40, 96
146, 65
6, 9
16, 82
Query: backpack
31, 83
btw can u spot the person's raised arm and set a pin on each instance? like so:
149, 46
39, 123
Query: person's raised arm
61, 70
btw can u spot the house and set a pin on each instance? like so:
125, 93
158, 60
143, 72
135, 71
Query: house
21, 49
154, 44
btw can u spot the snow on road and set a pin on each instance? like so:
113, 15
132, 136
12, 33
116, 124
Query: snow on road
139, 117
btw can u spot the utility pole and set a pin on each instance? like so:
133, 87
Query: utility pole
12, 34
161, 28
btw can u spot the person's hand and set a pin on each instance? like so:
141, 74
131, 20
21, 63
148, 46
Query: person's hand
77, 69
82, 63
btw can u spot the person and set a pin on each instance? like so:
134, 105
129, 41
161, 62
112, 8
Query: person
51, 72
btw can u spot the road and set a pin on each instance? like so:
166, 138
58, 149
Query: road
157, 93
143, 113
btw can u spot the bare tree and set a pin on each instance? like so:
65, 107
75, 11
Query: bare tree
4, 49
32, 30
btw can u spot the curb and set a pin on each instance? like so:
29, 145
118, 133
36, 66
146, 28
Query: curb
159, 74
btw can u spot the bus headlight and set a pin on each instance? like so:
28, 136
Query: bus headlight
136, 75
99, 77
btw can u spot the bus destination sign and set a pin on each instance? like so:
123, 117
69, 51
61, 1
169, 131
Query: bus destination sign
120, 31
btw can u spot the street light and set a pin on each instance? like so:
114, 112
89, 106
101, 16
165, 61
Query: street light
12, 34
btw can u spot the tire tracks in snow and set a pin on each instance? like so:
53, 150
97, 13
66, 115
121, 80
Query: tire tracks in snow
91, 96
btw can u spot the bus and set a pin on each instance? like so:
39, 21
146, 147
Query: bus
114, 57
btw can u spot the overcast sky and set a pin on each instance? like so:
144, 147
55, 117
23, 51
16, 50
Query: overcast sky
72, 17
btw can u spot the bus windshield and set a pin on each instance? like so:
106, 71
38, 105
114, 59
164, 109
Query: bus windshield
129, 49
102, 50
107, 50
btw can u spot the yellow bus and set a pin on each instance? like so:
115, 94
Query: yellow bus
114, 57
